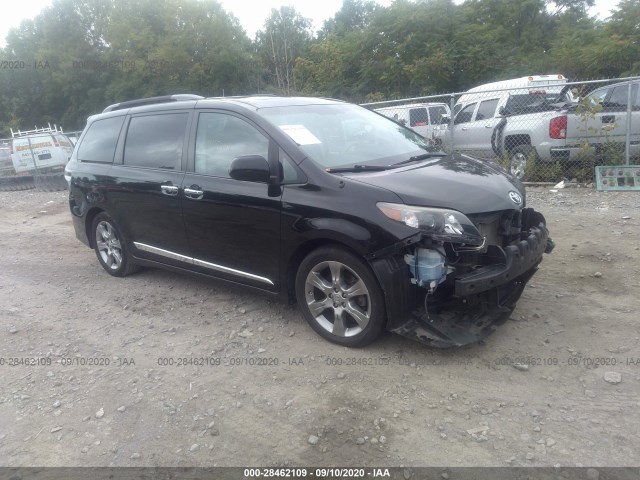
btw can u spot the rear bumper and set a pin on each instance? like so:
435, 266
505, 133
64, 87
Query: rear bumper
566, 154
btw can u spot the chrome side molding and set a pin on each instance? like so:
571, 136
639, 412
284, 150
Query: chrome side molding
165, 253
200, 263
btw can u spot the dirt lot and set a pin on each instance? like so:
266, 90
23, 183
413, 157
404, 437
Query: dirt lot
395, 403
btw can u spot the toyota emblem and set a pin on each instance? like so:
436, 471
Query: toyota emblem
515, 197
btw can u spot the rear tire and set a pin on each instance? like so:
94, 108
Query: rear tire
519, 160
339, 297
111, 247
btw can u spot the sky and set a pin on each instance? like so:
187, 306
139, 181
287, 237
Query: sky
251, 13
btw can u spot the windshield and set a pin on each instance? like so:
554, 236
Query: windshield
343, 134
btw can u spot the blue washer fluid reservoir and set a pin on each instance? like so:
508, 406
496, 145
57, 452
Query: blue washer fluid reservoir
426, 266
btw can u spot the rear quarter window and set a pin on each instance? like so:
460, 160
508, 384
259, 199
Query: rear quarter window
156, 141
620, 96
99, 143
487, 109
418, 117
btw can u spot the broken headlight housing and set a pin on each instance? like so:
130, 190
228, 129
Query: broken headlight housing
438, 223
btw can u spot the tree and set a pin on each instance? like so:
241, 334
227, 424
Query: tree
53, 88
177, 45
85, 54
285, 37
354, 15
618, 50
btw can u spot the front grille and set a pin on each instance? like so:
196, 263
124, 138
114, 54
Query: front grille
499, 228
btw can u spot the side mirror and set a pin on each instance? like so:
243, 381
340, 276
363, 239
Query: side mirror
250, 168
445, 119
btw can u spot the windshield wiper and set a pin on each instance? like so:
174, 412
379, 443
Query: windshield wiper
360, 168
422, 156
381, 168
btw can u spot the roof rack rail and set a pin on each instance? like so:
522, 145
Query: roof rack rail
247, 95
152, 100
47, 129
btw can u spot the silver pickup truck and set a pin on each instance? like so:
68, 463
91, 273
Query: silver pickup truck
540, 121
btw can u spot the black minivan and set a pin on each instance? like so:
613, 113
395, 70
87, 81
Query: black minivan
322, 202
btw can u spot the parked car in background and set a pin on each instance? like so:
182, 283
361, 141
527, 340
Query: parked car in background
5, 157
607, 122
422, 118
523, 118
42, 150
357, 218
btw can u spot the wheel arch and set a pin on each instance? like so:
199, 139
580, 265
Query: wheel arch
513, 141
91, 214
304, 249
326, 250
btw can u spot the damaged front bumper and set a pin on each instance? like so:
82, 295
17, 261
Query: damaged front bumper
479, 300
517, 259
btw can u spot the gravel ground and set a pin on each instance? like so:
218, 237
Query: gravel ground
114, 381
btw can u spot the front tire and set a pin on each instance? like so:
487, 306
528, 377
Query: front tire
519, 160
110, 247
339, 297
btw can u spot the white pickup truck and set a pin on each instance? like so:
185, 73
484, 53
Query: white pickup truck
536, 117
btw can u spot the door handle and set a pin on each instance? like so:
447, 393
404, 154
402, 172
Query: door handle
170, 190
464, 128
193, 192
488, 126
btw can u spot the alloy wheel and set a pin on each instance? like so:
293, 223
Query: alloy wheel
108, 245
338, 299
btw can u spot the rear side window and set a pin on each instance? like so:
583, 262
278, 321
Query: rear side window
465, 114
156, 141
436, 114
487, 109
620, 95
418, 117
597, 97
99, 143
62, 141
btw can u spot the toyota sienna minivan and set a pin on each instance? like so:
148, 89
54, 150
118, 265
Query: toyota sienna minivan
318, 201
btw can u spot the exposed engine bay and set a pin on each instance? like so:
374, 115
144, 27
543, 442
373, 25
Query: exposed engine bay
461, 291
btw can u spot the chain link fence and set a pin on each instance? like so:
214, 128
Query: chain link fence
35, 159
540, 128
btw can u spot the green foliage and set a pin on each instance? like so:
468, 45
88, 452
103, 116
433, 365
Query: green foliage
285, 37
85, 54
544, 172
353, 16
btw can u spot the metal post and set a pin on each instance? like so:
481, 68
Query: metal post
452, 103
627, 147
35, 166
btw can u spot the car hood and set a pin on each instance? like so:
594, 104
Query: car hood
456, 181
